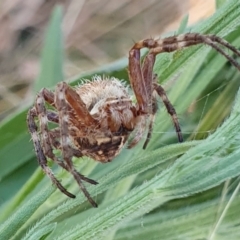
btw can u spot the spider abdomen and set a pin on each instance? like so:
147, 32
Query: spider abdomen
108, 102
98, 91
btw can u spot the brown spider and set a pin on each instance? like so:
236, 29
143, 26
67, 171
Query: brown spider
96, 118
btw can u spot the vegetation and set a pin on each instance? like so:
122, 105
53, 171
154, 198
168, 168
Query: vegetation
169, 190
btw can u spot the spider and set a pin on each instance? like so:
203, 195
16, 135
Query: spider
96, 118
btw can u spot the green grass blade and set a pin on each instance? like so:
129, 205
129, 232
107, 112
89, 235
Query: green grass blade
52, 54
13, 223
142, 180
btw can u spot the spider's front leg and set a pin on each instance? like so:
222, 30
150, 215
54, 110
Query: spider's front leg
174, 43
40, 152
55, 134
44, 141
144, 84
141, 79
65, 96
141, 82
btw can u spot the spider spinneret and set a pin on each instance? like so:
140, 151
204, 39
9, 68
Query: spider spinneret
96, 118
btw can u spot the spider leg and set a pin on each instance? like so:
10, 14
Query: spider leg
137, 81
138, 133
46, 150
141, 82
78, 105
49, 98
63, 91
171, 111
149, 83
171, 44
80, 109
142, 124
53, 117
147, 70
152, 118
150, 126
141, 79
149, 79
54, 135
40, 154
44, 117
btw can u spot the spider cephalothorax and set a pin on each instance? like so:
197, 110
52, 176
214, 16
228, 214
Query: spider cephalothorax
96, 118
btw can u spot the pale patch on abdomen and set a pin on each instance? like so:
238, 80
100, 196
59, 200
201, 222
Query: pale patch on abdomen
104, 150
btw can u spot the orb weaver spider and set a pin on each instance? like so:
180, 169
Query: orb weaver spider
95, 119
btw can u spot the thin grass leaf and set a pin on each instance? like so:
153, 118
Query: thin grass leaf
184, 223
220, 3
183, 24
28, 187
52, 55
44, 232
16, 220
